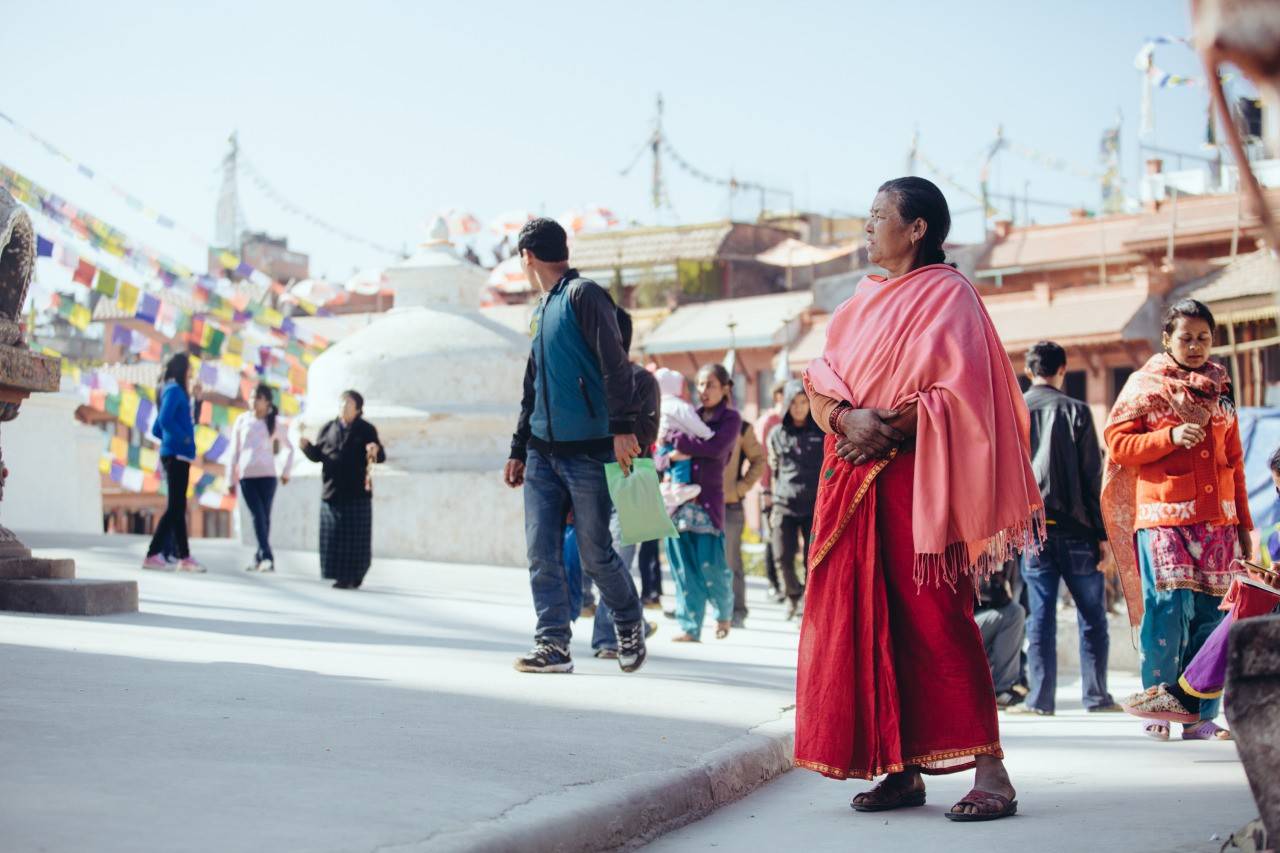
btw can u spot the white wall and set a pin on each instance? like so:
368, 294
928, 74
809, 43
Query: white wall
53, 468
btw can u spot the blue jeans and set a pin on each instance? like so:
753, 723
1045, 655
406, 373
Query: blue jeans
1075, 562
553, 484
603, 634
258, 494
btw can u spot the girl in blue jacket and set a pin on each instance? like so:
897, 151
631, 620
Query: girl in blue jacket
175, 427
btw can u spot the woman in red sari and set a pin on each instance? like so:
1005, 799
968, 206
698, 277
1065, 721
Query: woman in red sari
926, 482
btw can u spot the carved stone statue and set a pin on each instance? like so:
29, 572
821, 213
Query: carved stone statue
30, 583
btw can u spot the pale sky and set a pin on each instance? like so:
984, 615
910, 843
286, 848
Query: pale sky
376, 115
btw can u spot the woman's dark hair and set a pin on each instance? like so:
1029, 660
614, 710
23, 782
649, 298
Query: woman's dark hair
546, 238
264, 392
1274, 461
917, 198
177, 368
1045, 359
718, 370
355, 397
1190, 309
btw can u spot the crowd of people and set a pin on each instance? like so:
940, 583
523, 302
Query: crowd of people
921, 513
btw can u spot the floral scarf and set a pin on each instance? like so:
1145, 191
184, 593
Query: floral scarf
1159, 386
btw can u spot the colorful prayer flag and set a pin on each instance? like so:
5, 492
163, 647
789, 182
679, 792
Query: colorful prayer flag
106, 284
84, 273
127, 297
80, 316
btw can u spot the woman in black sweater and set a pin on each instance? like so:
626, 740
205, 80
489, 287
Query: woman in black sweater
346, 447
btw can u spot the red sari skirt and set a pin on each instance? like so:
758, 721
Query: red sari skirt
891, 675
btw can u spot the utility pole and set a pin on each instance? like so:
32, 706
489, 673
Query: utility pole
659, 191
230, 218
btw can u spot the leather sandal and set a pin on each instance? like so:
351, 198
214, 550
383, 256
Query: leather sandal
990, 807
878, 800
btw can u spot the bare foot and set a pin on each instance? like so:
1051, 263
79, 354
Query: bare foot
722, 629
894, 791
684, 638
990, 777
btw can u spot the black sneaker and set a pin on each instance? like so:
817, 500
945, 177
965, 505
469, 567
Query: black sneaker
631, 652
545, 657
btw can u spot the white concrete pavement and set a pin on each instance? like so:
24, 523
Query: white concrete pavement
239, 712
1086, 782
246, 712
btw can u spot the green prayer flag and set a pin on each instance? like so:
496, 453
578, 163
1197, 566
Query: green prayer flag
106, 284
215, 343
220, 416
135, 456
113, 404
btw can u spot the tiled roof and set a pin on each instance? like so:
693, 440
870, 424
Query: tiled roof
1198, 216
642, 247
760, 321
1045, 245
1094, 314
1254, 274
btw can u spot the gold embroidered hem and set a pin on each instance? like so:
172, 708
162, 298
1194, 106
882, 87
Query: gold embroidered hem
933, 764
1182, 682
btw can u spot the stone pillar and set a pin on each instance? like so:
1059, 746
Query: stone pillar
29, 583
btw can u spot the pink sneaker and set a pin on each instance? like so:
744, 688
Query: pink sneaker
187, 564
157, 563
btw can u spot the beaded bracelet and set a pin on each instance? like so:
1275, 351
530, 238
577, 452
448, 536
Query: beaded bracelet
837, 413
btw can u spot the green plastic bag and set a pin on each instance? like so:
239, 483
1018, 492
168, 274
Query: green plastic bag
639, 503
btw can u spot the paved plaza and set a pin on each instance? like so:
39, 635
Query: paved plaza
241, 712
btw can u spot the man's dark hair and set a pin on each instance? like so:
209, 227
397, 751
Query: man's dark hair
355, 397
624, 326
1045, 359
546, 239
1274, 461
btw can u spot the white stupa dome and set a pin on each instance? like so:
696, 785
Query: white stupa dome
436, 274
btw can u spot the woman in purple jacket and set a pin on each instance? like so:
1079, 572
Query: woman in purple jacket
696, 556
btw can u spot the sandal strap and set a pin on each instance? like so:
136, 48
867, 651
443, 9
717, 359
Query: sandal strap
984, 799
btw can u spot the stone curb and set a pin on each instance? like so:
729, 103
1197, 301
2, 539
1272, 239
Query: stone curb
623, 814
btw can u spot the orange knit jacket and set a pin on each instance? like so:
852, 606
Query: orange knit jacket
1180, 486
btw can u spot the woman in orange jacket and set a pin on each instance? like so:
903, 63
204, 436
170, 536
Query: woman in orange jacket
1175, 489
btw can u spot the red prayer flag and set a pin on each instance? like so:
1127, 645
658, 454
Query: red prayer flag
84, 273
206, 414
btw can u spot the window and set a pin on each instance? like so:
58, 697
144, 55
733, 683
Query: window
1075, 384
1119, 376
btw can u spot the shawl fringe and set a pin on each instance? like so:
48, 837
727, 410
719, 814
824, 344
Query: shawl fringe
1027, 536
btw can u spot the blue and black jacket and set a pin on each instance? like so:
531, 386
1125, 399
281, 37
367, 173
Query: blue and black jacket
174, 425
578, 383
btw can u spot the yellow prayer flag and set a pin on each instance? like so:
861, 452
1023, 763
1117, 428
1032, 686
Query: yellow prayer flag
128, 407
205, 437
235, 345
119, 448
224, 312
150, 459
79, 317
232, 360
104, 464
228, 260
127, 297
195, 362
289, 404
272, 317
233, 413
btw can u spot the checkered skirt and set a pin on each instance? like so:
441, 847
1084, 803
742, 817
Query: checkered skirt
346, 529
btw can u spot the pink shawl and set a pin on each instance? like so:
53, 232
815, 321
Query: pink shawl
927, 337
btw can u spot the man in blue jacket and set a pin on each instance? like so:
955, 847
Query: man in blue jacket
577, 413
